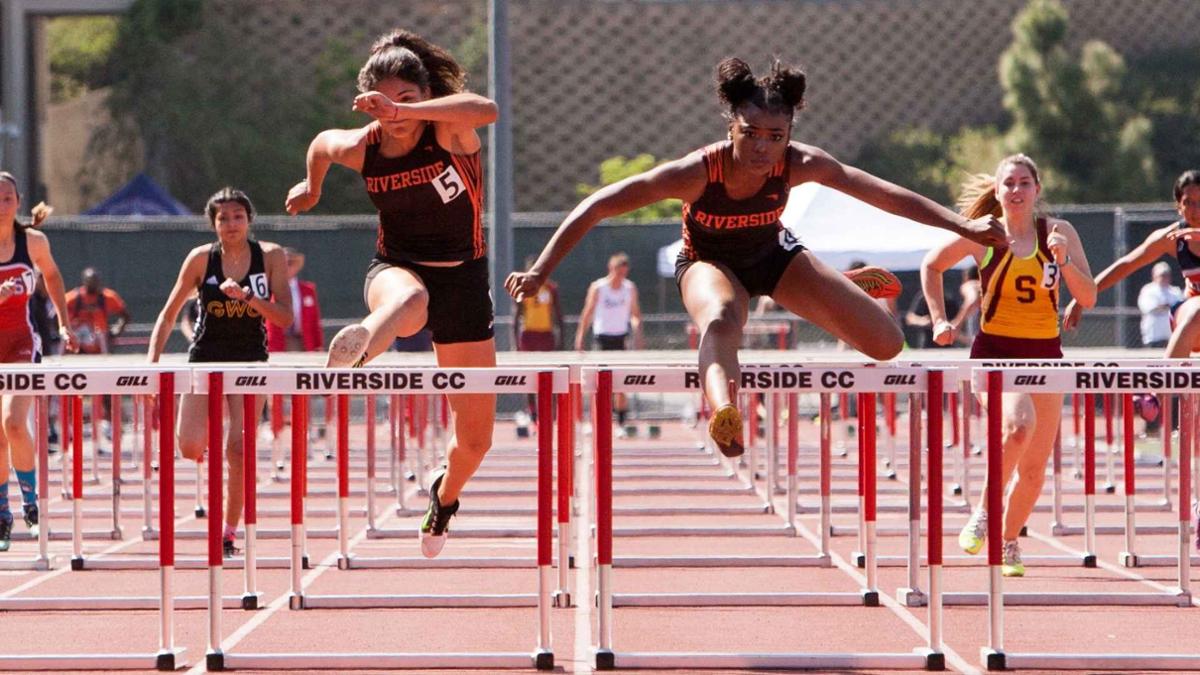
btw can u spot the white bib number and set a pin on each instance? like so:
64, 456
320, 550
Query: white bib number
258, 286
787, 240
449, 185
1050, 274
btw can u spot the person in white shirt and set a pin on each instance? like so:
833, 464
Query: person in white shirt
611, 309
1156, 301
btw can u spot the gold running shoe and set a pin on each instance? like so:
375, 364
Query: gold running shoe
725, 428
348, 348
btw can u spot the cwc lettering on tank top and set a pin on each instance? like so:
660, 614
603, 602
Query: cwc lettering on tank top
228, 329
430, 201
737, 232
613, 309
1189, 264
19, 342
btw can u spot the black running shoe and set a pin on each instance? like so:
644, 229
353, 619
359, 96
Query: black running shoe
436, 523
229, 548
6, 533
31, 518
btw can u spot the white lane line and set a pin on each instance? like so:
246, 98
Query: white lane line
330, 562
67, 568
904, 613
1115, 569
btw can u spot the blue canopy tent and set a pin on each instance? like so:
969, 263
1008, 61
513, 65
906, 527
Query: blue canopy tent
139, 197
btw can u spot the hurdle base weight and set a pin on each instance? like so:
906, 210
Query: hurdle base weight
214, 661
956, 490
1109, 488
295, 601
1128, 559
1024, 531
605, 659
860, 560
911, 597
342, 563
870, 598
561, 599
168, 661
76, 564
543, 660
992, 660
304, 562
250, 600
934, 661
1089, 560
200, 513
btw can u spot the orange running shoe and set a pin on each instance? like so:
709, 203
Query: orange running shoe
875, 281
725, 428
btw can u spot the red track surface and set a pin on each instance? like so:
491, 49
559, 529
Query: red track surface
890, 628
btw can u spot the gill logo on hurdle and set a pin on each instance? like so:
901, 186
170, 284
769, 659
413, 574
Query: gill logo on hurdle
60, 380
1176, 377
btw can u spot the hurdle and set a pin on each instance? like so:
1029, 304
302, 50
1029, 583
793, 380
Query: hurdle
75, 383
1092, 381
603, 382
301, 383
42, 561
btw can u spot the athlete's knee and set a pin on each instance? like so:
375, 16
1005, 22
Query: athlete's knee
1017, 431
723, 318
15, 426
885, 344
192, 448
477, 447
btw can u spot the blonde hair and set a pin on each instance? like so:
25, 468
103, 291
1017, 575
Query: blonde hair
978, 196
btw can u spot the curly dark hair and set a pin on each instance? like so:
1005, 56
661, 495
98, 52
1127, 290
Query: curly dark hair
781, 91
412, 58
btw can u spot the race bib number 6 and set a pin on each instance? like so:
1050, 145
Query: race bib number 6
258, 285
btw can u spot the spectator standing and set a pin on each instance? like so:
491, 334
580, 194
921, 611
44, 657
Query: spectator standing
96, 314
1156, 301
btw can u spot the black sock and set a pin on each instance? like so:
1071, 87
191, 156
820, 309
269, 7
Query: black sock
621, 417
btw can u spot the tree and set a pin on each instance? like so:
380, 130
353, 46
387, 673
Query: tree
1068, 113
619, 168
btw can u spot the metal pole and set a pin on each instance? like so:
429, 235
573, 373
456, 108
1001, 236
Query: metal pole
500, 149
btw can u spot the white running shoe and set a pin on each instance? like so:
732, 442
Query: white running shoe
347, 348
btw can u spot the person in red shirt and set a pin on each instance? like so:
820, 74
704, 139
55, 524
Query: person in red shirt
304, 335
90, 308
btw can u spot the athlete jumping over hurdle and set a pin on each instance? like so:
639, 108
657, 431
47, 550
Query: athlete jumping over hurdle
1019, 320
420, 160
24, 250
235, 279
735, 248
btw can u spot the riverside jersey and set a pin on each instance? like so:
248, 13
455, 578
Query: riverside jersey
430, 201
736, 231
228, 329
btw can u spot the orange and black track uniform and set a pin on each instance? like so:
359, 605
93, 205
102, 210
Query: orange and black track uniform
430, 204
1019, 315
745, 235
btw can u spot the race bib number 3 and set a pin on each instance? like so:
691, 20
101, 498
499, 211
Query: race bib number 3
1050, 274
449, 185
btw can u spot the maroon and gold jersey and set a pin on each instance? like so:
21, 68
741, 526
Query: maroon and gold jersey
1020, 295
737, 231
430, 201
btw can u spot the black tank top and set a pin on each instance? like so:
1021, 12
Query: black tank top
1189, 263
228, 329
737, 232
430, 201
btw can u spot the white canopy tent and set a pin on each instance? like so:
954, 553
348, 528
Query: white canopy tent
841, 229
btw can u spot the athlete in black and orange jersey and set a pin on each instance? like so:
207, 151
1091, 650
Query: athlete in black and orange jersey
1019, 320
24, 252
1175, 240
234, 280
736, 247
420, 162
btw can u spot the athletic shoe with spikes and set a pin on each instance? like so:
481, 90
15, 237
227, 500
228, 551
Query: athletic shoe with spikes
436, 523
31, 519
1012, 565
875, 281
725, 428
348, 348
974, 532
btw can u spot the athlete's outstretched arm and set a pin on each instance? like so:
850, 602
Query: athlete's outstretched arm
935, 264
680, 179
1154, 247
191, 273
463, 109
332, 146
812, 163
39, 253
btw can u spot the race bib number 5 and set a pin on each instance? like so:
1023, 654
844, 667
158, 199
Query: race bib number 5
449, 185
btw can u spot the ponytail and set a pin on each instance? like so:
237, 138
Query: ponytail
39, 213
410, 57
